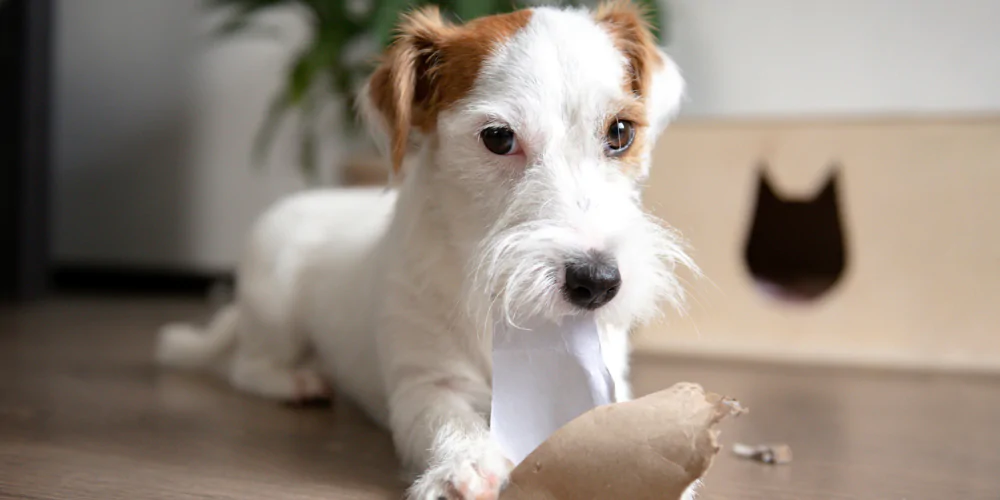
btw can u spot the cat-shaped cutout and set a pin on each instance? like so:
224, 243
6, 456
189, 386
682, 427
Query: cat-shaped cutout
795, 249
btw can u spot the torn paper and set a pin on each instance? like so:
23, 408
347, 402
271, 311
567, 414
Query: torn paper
771, 454
654, 447
544, 375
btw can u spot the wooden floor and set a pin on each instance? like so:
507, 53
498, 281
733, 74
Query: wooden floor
84, 415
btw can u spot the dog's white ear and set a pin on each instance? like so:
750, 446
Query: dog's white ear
666, 93
396, 97
654, 76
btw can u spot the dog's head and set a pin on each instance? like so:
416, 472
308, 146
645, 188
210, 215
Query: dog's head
541, 124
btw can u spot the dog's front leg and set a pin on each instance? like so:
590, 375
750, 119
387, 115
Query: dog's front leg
439, 429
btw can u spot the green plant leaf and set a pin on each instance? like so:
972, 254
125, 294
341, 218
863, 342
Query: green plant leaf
308, 138
654, 15
385, 17
307, 152
234, 24
276, 110
505, 6
326, 9
467, 10
301, 76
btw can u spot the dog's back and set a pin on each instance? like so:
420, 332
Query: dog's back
307, 259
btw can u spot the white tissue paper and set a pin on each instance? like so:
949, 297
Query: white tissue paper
544, 375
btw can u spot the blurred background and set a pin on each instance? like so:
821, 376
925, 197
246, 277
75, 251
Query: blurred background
130, 126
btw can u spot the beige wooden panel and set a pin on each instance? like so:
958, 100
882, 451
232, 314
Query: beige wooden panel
920, 202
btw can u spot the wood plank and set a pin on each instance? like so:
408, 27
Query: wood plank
84, 415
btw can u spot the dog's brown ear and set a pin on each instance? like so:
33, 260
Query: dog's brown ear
630, 29
652, 75
400, 88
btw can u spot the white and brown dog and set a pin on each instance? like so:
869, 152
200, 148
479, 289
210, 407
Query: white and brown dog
527, 136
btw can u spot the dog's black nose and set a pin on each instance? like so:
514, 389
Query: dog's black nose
592, 283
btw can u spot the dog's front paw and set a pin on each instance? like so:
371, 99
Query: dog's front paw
463, 477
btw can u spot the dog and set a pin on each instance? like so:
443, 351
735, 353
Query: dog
526, 139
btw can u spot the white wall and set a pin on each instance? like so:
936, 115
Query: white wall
153, 126
749, 58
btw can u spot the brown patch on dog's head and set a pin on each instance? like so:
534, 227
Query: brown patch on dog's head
631, 32
431, 65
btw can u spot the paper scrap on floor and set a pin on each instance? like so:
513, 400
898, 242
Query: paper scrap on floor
771, 454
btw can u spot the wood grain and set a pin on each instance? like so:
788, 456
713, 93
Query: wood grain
85, 415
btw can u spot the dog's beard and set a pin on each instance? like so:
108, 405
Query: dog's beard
518, 270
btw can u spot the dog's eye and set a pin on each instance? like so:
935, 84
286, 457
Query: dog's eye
499, 140
619, 137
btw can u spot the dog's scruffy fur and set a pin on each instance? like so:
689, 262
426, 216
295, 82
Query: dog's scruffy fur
389, 296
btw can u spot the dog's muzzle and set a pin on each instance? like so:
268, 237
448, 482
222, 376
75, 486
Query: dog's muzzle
592, 282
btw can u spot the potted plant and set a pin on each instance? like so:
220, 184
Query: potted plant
345, 37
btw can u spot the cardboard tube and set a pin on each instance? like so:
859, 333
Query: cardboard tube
651, 448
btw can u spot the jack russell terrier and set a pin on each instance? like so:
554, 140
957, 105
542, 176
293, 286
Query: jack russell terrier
527, 137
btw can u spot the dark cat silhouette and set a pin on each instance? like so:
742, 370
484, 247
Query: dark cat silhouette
796, 247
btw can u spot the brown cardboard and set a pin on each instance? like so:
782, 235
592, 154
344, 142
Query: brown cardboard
651, 448
918, 203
